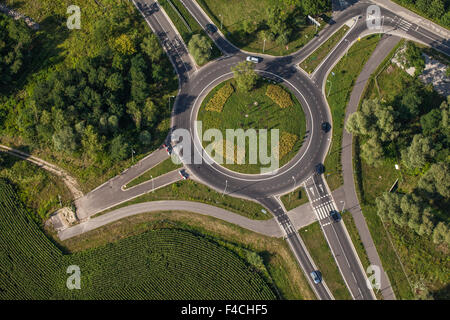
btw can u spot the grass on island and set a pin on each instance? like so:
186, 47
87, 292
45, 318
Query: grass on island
232, 14
187, 18
320, 252
314, 59
164, 263
294, 199
192, 191
240, 112
158, 170
279, 263
345, 74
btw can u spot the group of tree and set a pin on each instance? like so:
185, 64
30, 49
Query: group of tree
200, 48
245, 76
15, 42
435, 9
108, 101
418, 210
282, 19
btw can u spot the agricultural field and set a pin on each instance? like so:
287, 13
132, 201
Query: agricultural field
255, 110
158, 264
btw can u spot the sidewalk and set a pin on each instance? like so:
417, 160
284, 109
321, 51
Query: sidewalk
413, 17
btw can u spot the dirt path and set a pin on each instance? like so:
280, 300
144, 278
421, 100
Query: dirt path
69, 181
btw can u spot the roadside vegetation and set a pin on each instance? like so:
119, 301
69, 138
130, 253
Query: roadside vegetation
282, 25
320, 252
165, 263
250, 107
314, 59
202, 48
86, 99
193, 191
158, 170
437, 11
408, 220
338, 88
295, 198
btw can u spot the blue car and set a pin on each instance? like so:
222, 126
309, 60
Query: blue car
315, 275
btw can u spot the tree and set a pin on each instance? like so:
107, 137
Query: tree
372, 152
118, 148
149, 112
135, 113
413, 57
436, 9
91, 143
249, 26
115, 82
150, 46
437, 180
388, 206
420, 151
64, 140
430, 122
200, 48
145, 138
441, 233
410, 103
124, 45
245, 75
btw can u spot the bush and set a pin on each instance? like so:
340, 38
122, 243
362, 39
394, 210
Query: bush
279, 96
287, 142
220, 98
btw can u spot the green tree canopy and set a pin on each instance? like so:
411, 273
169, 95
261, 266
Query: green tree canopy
245, 75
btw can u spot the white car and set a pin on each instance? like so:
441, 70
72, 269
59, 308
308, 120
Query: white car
253, 59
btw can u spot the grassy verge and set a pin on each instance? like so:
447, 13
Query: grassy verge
278, 260
158, 170
416, 10
345, 74
240, 112
295, 198
231, 15
185, 33
315, 58
192, 191
315, 241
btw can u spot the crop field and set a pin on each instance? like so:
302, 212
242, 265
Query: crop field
159, 264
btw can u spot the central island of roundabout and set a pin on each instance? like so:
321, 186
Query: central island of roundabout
242, 128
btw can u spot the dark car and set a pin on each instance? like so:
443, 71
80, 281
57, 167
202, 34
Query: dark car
320, 168
326, 126
335, 215
184, 175
210, 28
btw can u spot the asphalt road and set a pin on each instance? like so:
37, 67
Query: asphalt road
195, 84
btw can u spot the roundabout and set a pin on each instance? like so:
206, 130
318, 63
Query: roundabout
256, 114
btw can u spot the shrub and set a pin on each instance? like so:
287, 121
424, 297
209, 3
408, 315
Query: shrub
279, 96
287, 142
218, 101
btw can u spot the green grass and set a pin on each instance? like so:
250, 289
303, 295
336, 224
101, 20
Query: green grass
356, 240
315, 241
266, 115
185, 33
295, 198
234, 12
37, 188
158, 264
158, 170
315, 58
416, 10
192, 191
345, 74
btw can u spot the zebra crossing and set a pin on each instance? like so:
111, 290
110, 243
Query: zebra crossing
322, 211
403, 24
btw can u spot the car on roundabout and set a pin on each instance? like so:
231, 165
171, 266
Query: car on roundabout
253, 59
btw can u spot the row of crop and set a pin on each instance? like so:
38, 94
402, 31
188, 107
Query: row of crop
220, 98
279, 96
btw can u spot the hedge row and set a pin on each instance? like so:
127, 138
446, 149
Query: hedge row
218, 101
279, 96
287, 142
